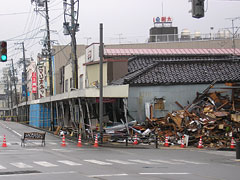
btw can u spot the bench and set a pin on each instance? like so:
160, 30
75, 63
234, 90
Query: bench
33, 136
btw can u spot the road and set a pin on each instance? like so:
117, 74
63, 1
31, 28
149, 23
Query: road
106, 163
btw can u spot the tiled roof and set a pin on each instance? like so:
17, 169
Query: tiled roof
130, 52
157, 70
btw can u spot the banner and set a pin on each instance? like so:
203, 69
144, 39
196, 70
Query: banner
34, 82
41, 82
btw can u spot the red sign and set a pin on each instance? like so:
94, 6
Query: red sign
34, 82
162, 19
106, 100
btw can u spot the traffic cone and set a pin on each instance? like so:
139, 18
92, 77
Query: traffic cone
96, 141
182, 143
79, 141
166, 141
63, 141
135, 140
4, 144
200, 143
232, 144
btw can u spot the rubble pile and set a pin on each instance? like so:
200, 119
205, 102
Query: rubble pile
212, 115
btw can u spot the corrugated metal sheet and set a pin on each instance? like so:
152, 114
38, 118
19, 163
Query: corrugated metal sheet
127, 52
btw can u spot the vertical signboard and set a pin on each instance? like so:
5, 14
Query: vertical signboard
34, 82
41, 82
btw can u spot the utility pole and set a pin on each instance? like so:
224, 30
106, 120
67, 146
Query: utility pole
101, 83
41, 6
49, 61
15, 88
49, 48
25, 80
11, 94
25, 72
8, 92
73, 44
71, 30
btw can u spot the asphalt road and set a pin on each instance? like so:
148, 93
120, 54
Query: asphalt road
105, 163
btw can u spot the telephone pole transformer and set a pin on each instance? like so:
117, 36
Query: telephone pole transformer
71, 29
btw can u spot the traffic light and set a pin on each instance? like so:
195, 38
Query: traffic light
198, 8
3, 51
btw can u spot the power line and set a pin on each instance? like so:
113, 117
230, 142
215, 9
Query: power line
34, 29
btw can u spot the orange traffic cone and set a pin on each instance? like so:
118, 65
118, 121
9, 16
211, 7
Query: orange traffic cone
79, 141
63, 141
4, 144
200, 143
182, 143
232, 143
166, 141
135, 140
96, 141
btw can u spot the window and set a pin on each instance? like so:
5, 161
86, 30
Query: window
81, 81
66, 85
71, 83
159, 104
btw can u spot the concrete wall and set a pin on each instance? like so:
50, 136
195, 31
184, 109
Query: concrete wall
82, 70
61, 59
116, 70
68, 76
138, 96
93, 74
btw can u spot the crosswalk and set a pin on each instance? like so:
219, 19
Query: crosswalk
106, 162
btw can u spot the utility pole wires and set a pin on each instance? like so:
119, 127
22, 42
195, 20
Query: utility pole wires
71, 29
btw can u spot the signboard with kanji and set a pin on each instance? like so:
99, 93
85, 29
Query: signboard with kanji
34, 82
41, 82
162, 19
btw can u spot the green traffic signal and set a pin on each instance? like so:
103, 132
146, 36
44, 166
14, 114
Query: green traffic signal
3, 57
3, 51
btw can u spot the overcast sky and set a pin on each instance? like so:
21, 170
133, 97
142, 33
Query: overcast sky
130, 18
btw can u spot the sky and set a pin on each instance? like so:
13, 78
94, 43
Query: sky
128, 19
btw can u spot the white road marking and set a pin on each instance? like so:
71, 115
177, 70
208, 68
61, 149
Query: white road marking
35, 174
16, 133
107, 175
21, 165
2, 167
164, 173
221, 153
98, 162
119, 161
45, 164
52, 143
33, 149
190, 162
143, 162
163, 161
62, 150
70, 163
